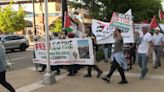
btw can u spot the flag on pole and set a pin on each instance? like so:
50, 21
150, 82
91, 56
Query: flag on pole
161, 15
153, 23
68, 24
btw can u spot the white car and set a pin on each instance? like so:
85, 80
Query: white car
12, 42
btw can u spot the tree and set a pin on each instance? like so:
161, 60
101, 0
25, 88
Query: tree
103, 9
57, 27
10, 20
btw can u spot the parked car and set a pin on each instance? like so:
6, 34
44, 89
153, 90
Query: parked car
12, 42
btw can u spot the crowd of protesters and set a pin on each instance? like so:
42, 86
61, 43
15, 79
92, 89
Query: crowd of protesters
124, 56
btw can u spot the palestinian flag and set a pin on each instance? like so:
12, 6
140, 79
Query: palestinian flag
69, 25
161, 15
153, 23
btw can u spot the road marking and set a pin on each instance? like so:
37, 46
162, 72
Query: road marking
39, 84
15, 59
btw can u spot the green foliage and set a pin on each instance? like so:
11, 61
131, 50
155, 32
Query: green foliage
103, 9
10, 20
57, 28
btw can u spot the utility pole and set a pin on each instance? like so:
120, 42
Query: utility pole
49, 77
34, 21
64, 9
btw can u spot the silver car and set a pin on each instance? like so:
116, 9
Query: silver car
12, 42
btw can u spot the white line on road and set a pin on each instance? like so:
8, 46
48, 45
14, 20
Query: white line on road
37, 85
15, 59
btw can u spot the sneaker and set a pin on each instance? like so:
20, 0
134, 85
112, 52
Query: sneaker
87, 76
159, 65
70, 74
142, 78
99, 74
155, 67
57, 73
41, 71
106, 61
106, 79
123, 82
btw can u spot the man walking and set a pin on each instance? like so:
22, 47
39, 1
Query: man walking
118, 61
158, 42
144, 50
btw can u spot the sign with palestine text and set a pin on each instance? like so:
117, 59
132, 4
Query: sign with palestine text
125, 23
104, 31
66, 52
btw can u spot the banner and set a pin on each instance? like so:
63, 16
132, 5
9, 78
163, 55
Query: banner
66, 52
103, 31
125, 23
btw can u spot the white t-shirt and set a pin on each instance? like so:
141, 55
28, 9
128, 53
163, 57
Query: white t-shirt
158, 39
144, 45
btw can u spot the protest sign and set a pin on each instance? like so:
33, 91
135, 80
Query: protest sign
103, 31
125, 23
66, 52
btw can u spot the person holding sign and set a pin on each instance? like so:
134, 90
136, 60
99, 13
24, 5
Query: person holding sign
99, 72
72, 69
118, 58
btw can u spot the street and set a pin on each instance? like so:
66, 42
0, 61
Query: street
21, 59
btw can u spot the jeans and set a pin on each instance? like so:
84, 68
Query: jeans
107, 51
157, 50
142, 61
4, 83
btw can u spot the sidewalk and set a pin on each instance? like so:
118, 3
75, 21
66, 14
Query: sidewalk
28, 80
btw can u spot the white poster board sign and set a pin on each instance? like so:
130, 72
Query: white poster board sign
66, 52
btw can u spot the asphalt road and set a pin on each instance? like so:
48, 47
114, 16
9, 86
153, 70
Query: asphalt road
21, 59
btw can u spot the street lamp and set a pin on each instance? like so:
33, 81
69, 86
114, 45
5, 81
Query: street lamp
49, 77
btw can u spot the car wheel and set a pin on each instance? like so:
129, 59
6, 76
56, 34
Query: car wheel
12, 50
23, 47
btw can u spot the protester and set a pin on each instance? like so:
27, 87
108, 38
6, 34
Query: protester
72, 69
99, 72
3, 70
107, 51
128, 56
158, 42
144, 50
133, 52
118, 59
53, 67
